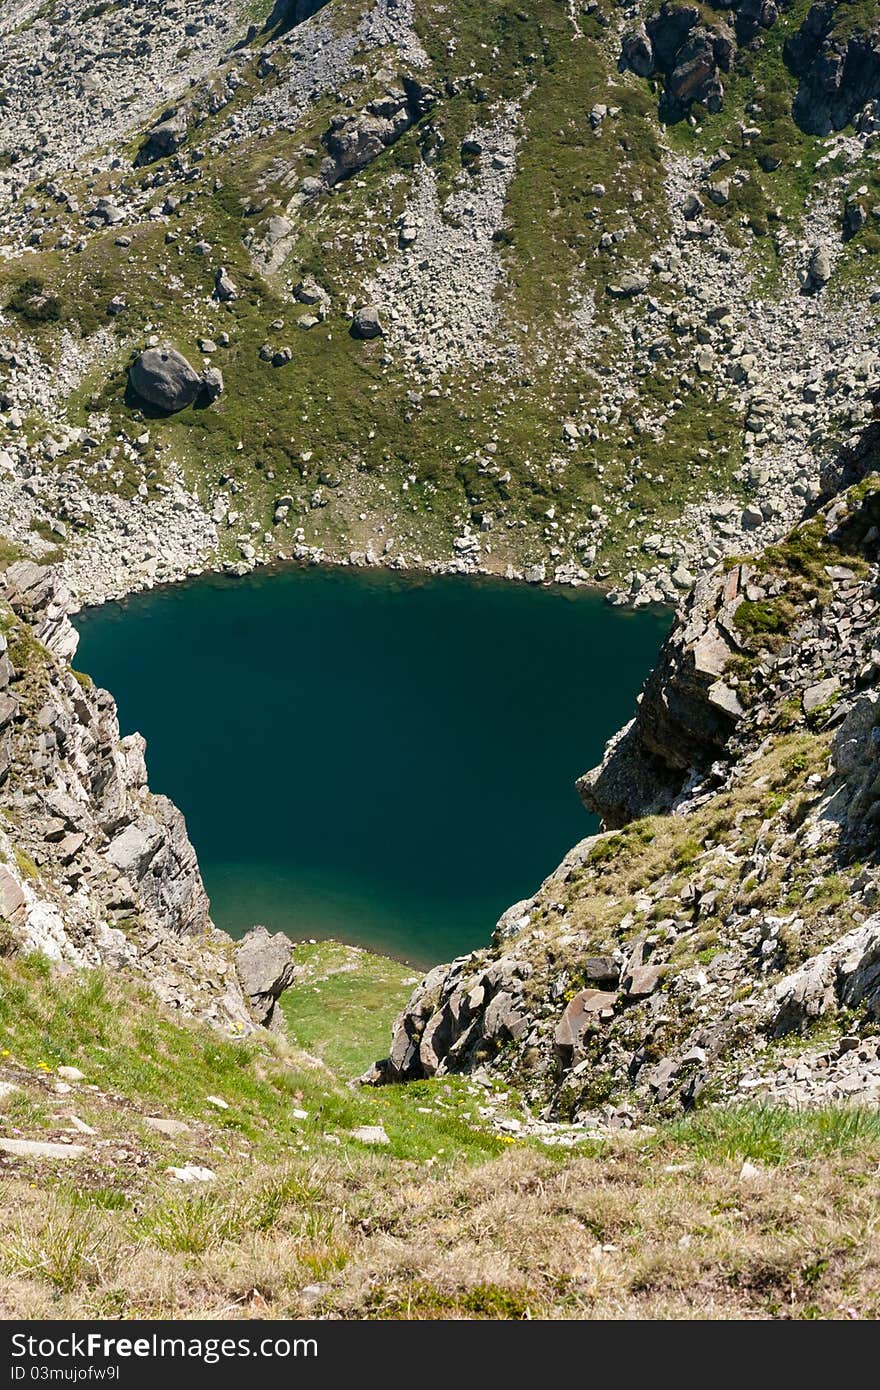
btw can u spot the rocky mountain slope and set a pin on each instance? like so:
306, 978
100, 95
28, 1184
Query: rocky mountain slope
579, 293
720, 938
96, 870
582, 291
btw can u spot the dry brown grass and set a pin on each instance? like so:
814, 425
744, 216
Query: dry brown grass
619, 1236
643, 1229
446, 1221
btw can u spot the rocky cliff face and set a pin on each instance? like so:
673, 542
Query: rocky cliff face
670, 956
686, 711
836, 55
96, 870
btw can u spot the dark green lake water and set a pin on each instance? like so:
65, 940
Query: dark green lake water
379, 758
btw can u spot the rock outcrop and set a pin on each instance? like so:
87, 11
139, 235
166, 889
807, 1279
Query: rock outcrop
166, 136
96, 869
687, 710
837, 58
688, 53
352, 142
660, 958
264, 962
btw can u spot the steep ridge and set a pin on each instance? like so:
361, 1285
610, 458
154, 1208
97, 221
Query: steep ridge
729, 947
96, 869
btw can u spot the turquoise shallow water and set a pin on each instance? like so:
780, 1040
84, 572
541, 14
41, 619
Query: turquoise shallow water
385, 759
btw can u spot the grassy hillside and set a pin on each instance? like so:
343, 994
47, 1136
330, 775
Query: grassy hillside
450, 1218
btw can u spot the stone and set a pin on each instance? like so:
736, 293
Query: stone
370, 1134
162, 377
692, 207
505, 1017
852, 741
13, 903
80, 1127
603, 972
638, 51
627, 287
133, 850
352, 142
212, 380
366, 322
33, 1148
265, 968
819, 268
191, 1172
643, 980
165, 138
854, 216
723, 697
586, 1006
224, 288
170, 1128
71, 1074
308, 291
819, 694
846, 972
277, 229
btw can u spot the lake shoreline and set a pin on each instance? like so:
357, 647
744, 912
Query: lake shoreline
415, 573
174, 541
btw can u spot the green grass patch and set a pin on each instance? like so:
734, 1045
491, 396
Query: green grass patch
343, 1007
774, 1136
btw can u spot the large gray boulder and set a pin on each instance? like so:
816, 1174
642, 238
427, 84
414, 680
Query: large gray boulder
366, 323
165, 138
163, 377
819, 268
224, 287
264, 962
638, 52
